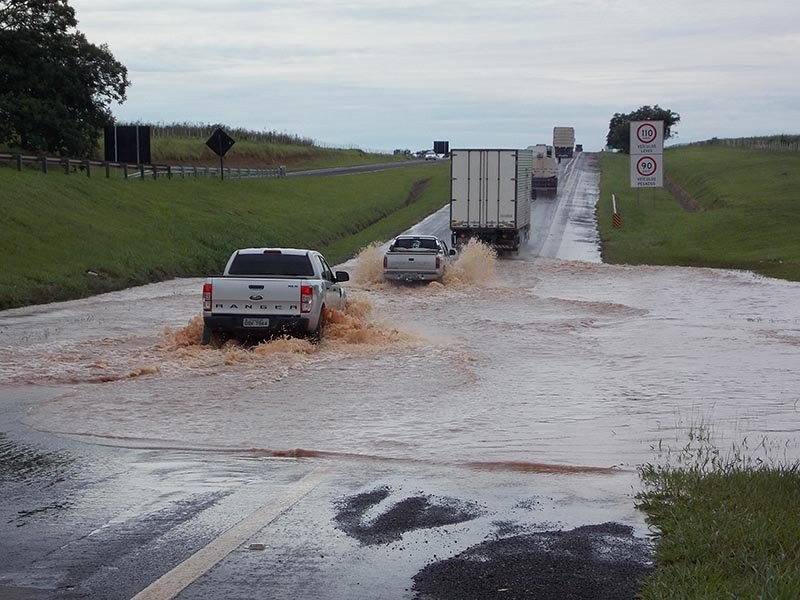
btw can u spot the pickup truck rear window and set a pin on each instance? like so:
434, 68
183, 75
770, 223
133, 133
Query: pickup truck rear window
272, 265
414, 243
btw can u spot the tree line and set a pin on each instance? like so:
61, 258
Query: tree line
56, 87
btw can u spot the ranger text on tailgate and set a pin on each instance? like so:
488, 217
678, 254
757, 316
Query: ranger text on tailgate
265, 292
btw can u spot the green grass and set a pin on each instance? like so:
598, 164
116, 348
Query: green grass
68, 236
750, 218
176, 150
729, 525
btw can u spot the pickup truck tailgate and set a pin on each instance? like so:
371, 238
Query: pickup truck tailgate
234, 296
411, 260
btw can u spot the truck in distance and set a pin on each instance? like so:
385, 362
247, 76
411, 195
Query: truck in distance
265, 292
564, 142
544, 171
490, 193
416, 258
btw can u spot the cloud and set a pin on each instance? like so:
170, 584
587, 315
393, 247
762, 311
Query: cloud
382, 75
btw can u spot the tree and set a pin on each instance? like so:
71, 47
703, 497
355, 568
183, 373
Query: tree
619, 134
55, 87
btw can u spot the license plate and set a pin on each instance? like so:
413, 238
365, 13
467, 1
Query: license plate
254, 322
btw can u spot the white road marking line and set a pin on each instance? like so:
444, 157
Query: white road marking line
175, 581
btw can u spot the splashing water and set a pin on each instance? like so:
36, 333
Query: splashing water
369, 265
186, 336
475, 265
353, 326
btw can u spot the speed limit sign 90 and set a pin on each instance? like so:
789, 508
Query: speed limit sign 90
646, 171
646, 166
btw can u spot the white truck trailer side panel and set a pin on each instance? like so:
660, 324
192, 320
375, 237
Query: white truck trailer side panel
490, 188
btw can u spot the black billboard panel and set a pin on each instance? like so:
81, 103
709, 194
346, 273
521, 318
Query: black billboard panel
128, 144
441, 147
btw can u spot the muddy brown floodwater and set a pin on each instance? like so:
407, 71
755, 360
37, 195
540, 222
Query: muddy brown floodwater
526, 363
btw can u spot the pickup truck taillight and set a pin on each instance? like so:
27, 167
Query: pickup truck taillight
206, 296
438, 262
306, 297
385, 262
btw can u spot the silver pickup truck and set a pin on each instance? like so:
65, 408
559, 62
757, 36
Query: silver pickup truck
416, 258
265, 292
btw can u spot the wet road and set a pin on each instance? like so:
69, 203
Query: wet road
501, 414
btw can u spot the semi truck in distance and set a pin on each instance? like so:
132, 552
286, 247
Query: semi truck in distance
544, 172
490, 193
564, 141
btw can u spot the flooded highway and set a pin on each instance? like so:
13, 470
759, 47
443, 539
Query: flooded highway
542, 378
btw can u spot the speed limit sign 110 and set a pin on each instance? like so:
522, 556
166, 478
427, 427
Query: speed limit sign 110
647, 137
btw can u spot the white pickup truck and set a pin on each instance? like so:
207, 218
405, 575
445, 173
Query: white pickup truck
416, 258
265, 292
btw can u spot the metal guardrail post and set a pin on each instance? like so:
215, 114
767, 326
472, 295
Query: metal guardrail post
65, 162
18, 158
44, 164
87, 166
125, 170
141, 172
108, 169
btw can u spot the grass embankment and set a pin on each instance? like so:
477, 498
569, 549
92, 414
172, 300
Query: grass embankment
68, 236
749, 217
187, 150
730, 526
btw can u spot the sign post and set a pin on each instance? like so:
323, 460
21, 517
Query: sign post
220, 142
647, 154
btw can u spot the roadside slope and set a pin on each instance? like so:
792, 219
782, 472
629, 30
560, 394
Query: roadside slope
748, 219
70, 236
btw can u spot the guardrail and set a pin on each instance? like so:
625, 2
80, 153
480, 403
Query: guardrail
130, 171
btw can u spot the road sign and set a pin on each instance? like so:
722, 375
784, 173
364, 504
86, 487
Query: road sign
647, 170
647, 137
220, 142
647, 153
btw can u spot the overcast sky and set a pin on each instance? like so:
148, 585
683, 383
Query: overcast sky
383, 74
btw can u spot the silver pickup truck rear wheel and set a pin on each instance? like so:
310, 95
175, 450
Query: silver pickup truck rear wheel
316, 336
211, 337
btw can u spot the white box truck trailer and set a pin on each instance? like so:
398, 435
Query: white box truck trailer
490, 194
